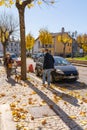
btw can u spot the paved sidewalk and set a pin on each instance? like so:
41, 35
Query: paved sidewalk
34, 107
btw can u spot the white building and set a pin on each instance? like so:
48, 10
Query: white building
14, 47
36, 46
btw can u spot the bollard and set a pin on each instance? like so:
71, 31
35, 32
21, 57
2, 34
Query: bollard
30, 68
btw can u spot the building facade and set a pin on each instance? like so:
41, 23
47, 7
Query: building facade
39, 47
57, 48
14, 47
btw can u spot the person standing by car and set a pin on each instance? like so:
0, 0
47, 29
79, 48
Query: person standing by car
8, 64
48, 65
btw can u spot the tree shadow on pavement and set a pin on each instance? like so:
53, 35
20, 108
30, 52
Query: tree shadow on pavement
11, 81
65, 117
70, 99
72, 85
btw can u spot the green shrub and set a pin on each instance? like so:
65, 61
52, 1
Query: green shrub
85, 57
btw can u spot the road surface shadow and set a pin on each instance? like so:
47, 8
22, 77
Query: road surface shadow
70, 99
11, 81
77, 85
65, 117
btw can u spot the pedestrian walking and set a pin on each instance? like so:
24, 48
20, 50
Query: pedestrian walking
8, 64
48, 66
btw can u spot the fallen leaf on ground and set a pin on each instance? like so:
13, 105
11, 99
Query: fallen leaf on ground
2, 95
12, 105
45, 115
65, 103
63, 89
30, 101
52, 86
51, 106
19, 127
44, 122
24, 104
81, 102
32, 118
18, 100
43, 103
56, 98
0, 113
84, 100
23, 116
25, 85
16, 119
33, 92
14, 96
72, 117
82, 113
84, 122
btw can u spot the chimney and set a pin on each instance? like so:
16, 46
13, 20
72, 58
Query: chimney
62, 30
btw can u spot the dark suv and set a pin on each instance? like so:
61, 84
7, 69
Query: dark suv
62, 69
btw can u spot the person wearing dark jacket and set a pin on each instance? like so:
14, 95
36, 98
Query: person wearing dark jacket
8, 64
48, 66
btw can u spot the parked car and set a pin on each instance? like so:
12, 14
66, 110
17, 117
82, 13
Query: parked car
15, 58
1, 55
33, 55
37, 56
62, 69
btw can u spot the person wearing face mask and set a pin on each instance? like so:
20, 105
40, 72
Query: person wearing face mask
8, 64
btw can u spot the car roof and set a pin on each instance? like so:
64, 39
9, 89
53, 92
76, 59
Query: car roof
57, 57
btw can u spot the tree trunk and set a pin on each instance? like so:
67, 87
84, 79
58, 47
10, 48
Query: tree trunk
64, 48
22, 43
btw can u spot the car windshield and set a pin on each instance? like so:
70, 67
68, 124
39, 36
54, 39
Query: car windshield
60, 61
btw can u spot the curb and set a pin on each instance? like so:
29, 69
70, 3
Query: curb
83, 65
6, 122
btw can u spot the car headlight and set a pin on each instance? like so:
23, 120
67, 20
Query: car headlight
59, 71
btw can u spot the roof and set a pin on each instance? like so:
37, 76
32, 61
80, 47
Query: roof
53, 34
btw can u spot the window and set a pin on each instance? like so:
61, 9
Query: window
50, 45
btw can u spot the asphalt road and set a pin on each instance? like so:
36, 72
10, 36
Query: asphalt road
82, 74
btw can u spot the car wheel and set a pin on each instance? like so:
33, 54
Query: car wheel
36, 72
74, 79
34, 59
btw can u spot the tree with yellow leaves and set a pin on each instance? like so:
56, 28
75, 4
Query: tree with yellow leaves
82, 41
45, 37
29, 42
64, 38
79, 40
8, 27
21, 5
